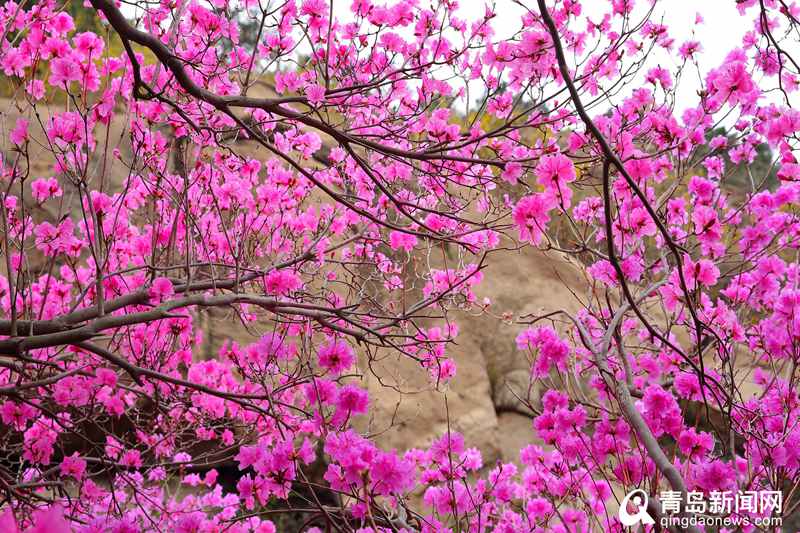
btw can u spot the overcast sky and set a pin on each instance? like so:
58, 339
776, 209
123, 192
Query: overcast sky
722, 30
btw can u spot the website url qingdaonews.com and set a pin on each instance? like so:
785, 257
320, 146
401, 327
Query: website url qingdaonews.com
728, 509
720, 521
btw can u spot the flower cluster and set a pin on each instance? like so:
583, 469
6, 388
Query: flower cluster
153, 198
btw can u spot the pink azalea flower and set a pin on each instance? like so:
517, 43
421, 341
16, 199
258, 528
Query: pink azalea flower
281, 282
512, 172
35, 89
352, 400
391, 474
45, 188
715, 475
693, 444
336, 356
555, 168
689, 49
161, 289
532, 215
732, 81
62, 23
19, 135
13, 62
50, 520
314, 8
7, 521
73, 466
315, 94
552, 351
131, 458
398, 239
64, 71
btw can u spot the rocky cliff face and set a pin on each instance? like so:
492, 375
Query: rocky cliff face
483, 400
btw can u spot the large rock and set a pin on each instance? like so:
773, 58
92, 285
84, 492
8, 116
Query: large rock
492, 373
